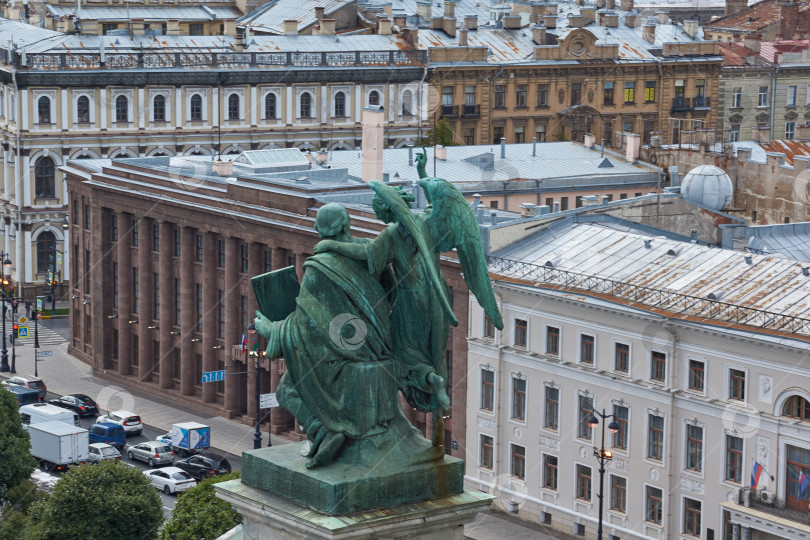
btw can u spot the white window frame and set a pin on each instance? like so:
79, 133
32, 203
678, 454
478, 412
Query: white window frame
515, 319
681, 532
790, 134
727, 383
650, 351
513, 478
545, 340
722, 478
546, 386
203, 92
795, 96
736, 97
687, 360
380, 89
130, 96
762, 103
494, 453
12, 107
579, 361
167, 99
543, 472
402, 102
623, 451
495, 330
240, 94
520, 376
313, 109
657, 526
663, 462
614, 512
586, 394
54, 117
577, 500
279, 104
90, 95
694, 422
613, 344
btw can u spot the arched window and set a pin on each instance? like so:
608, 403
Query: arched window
160, 153
270, 106
44, 110
45, 178
306, 105
797, 407
159, 109
407, 103
12, 109
121, 109
340, 104
46, 244
196, 107
83, 109
2, 104
373, 98
233, 107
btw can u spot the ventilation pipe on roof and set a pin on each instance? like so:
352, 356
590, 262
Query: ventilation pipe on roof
410, 155
290, 27
322, 156
534, 146
476, 202
553, 262
694, 236
805, 270
493, 218
749, 259
717, 295
648, 243
503, 147
556, 206
602, 151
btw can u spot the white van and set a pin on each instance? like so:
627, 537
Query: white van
44, 412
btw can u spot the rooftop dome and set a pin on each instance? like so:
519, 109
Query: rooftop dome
707, 186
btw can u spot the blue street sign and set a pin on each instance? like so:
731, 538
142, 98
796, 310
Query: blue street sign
58, 258
22, 331
39, 304
213, 376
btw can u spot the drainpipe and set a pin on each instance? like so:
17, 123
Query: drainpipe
18, 174
660, 101
491, 82
671, 384
498, 374
421, 83
773, 97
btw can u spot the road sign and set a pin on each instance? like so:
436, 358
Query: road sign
268, 401
39, 316
58, 258
22, 319
22, 332
39, 304
50, 276
213, 376
42, 354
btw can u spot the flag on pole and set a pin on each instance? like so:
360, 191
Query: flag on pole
255, 344
803, 481
755, 474
244, 342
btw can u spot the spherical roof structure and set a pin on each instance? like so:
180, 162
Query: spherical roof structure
707, 186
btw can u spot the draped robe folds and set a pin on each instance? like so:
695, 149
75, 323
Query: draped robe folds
336, 375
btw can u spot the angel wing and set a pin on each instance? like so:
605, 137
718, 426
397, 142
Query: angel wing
453, 225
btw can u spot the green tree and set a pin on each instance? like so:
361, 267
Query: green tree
108, 500
14, 517
200, 515
442, 134
15, 446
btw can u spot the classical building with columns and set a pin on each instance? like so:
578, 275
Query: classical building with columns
164, 251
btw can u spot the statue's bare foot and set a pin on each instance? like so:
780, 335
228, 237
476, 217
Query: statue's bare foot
327, 450
316, 437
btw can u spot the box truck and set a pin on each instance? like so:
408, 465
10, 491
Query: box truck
58, 445
188, 438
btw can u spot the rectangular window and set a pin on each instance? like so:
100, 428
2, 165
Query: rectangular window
691, 517
736, 97
552, 412
622, 357
196, 29
649, 129
550, 472
542, 95
500, 96
790, 130
578, 201
584, 430
114, 227
487, 389
697, 375
586, 349
736, 384
576, 93
521, 332
621, 415
155, 237
563, 203
447, 96
734, 455
629, 92
518, 399
497, 134
735, 133
553, 341
694, 448
135, 290
583, 482
115, 284
654, 507
518, 468
199, 307
134, 232
607, 93
618, 493
520, 96
489, 328
762, 96
520, 134
221, 315
469, 136
540, 133
221, 253
86, 216
177, 305
655, 437
199, 254
177, 242
649, 92
792, 94
469, 95
245, 259
728, 527
268, 260
658, 366
156, 294
487, 457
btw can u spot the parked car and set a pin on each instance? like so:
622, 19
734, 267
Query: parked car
79, 403
23, 394
170, 479
206, 465
43, 412
152, 452
166, 438
101, 452
129, 420
34, 383
108, 433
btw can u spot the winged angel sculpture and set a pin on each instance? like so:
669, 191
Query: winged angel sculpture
371, 320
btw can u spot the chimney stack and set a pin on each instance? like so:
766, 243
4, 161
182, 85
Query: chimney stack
441, 152
411, 35
539, 35
384, 27
400, 21
471, 22
691, 28
612, 20
327, 27
319, 12
550, 21
449, 8
372, 143
511, 22
290, 27
648, 30
462, 37
626, 5
138, 27
610, 4
753, 42
423, 9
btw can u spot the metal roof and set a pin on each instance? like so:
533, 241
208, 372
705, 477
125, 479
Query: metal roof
270, 17
276, 156
790, 239
768, 292
150, 13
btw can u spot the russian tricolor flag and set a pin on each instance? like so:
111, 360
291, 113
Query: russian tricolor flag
755, 473
803, 481
244, 343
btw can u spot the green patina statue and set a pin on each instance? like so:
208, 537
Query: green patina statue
371, 320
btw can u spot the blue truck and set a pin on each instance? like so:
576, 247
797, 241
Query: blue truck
188, 438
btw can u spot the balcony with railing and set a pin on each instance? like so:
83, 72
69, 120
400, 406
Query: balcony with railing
681, 104
449, 111
702, 103
761, 510
471, 111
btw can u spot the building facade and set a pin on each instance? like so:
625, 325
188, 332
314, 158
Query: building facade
641, 328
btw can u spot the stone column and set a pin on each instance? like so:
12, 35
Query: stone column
146, 295
233, 319
279, 258
746, 533
188, 248
299, 265
124, 294
166, 305
210, 303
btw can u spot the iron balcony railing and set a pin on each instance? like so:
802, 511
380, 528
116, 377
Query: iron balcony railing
449, 111
649, 296
680, 104
471, 111
702, 102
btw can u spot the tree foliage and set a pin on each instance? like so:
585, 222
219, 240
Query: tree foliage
16, 461
14, 517
442, 134
200, 515
95, 502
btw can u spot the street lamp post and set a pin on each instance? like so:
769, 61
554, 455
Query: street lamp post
4, 367
603, 456
36, 336
257, 435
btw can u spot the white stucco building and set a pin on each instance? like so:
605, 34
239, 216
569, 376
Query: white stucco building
701, 355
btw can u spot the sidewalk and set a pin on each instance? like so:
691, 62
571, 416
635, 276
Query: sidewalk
64, 374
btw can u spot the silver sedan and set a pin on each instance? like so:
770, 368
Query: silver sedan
152, 452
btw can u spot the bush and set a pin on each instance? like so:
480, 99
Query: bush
200, 515
17, 461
